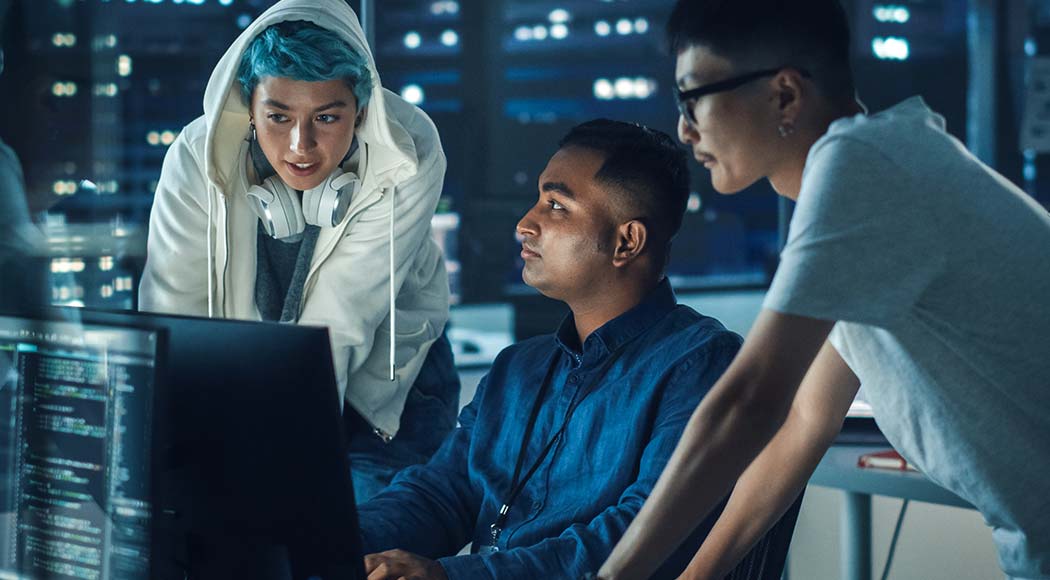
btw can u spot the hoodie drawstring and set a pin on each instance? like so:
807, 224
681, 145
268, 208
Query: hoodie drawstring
210, 259
393, 310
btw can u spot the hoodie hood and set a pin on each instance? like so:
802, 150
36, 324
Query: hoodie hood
392, 150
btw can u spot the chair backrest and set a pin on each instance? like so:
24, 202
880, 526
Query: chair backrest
766, 560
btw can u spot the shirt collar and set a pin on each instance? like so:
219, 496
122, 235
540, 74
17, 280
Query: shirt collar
613, 334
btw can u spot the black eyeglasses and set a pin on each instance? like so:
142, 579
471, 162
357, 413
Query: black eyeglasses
686, 99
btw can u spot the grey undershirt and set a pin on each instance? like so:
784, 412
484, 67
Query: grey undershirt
281, 269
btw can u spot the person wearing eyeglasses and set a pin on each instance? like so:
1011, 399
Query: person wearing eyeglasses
910, 267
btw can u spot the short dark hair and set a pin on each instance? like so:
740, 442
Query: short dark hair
809, 34
645, 167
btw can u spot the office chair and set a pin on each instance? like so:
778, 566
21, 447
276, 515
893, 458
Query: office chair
766, 560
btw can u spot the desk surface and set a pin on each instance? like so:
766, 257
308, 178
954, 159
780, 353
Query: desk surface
839, 469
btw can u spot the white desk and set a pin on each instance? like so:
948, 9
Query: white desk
839, 470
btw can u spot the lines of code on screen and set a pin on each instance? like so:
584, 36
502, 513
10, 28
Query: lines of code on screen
78, 451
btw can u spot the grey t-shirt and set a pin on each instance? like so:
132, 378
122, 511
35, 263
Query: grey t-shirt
937, 270
280, 273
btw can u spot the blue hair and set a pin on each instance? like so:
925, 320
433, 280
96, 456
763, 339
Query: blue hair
303, 51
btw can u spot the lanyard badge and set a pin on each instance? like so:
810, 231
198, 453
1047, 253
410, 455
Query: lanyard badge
496, 529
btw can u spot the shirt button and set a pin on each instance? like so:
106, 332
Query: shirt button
536, 505
574, 379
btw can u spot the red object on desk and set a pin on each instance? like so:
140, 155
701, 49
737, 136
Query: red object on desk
888, 459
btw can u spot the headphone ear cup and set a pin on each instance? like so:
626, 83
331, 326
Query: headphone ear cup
326, 205
277, 205
348, 185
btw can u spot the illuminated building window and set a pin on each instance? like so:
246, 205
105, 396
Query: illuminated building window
559, 16
449, 7
124, 65
449, 38
413, 94
890, 48
891, 14
64, 89
64, 40
413, 40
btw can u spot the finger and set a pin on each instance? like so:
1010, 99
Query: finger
381, 572
371, 561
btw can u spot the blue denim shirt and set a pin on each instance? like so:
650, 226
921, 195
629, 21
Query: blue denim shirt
587, 490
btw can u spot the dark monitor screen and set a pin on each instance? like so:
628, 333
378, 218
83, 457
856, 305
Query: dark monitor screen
252, 474
76, 415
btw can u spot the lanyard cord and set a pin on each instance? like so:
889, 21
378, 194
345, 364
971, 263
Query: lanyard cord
516, 485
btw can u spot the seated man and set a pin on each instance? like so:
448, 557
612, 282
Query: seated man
567, 433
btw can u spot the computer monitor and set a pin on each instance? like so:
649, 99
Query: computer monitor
76, 417
253, 477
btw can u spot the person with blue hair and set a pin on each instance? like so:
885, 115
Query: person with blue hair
304, 194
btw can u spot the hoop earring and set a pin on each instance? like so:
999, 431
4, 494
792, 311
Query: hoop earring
262, 166
785, 129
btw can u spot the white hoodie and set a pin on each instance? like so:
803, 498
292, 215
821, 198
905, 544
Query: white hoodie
201, 256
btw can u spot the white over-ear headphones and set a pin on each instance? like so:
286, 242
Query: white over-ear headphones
277, 204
